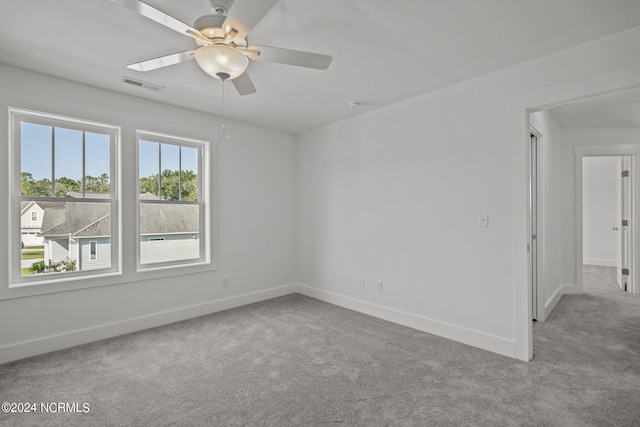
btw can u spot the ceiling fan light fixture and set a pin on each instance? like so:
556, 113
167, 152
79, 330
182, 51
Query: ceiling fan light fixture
221, 61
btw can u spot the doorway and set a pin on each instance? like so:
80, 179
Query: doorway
617, 83
607, 213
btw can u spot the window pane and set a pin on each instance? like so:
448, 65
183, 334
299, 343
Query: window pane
170, 179
74, 236
189, 169
93, 250
169, 232
97, 163
148, 169
65, 235
68, 162
35, 159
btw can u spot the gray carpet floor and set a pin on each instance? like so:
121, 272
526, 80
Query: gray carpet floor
296, 361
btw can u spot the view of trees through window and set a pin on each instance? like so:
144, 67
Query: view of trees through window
42, 187
65, 189
57, 161
170, 208
168, 171
170, 185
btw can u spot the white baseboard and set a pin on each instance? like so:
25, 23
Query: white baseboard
21, 350
24, 349
471, 337
562, 290
599, 261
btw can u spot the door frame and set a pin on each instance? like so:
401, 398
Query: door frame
623, 150
520, 106
535, 256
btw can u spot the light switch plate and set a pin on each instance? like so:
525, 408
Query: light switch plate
483, 219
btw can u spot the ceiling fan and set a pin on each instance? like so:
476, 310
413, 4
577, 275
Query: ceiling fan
223, 51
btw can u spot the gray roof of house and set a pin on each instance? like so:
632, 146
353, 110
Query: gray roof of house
43, 205
94, 219
160, 218
78, 219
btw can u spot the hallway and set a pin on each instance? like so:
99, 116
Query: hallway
590, 345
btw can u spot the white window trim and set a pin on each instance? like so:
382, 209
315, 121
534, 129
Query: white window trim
21, 286
205, 197
127, 272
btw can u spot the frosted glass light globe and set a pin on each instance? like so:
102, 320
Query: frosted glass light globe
221, 61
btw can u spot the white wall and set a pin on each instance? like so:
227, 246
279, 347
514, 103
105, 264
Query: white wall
393, 195
390, 195
255, 176
599, 198
550, 224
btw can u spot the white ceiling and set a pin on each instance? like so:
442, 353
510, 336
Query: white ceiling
614, 110
383, 51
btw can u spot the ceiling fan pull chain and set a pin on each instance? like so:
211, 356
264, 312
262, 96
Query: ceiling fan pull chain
226, 109
223, 126
228, 93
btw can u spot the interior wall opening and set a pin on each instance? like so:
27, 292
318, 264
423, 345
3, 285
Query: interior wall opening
586, 216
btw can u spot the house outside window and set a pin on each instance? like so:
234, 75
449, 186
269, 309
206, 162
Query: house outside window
65, 168
172, 203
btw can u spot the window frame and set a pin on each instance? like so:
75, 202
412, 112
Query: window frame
204, 200
69, 280
125, 155
34, 216
93, 250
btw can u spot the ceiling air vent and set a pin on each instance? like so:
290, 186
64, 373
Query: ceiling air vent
140, 83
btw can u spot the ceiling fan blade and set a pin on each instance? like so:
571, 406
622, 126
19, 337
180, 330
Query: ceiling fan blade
244, 15
290, 57
162, 18
243, 84
163, 61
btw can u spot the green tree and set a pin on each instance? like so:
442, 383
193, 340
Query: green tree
170, 185
100, 184
149, 184
31, 187
189, 186
64, 185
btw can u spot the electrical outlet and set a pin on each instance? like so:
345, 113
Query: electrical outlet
225, 282
380, 287
361, 283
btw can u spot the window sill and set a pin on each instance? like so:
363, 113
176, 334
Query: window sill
26, 289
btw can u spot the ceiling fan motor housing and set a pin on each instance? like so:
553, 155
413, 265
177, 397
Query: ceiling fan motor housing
210, 26
220, 7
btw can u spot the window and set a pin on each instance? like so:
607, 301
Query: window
93, 250
67, 167
171, 202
